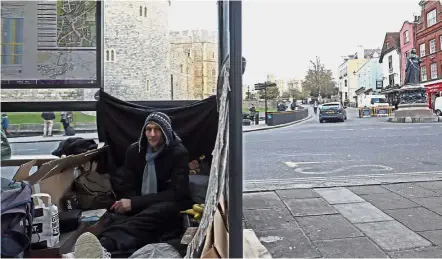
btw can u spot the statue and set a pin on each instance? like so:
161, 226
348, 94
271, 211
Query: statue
412, 70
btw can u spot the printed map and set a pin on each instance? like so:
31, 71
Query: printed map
76, 44
76, 24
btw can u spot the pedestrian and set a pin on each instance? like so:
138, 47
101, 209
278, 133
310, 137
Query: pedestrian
66, 119
5, 123
48, 123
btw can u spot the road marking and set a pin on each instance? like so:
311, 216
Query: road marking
304, 154
342, 177
348, 129
326, 130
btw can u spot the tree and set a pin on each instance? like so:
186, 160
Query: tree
285, 95
272, 93
319, 80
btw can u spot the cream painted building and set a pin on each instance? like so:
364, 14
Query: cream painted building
280, 83
294, 84
348, 80
194, 63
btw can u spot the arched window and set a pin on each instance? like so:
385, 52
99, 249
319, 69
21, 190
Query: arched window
112, 55
107, 55
145, 12
141, 11
181, 68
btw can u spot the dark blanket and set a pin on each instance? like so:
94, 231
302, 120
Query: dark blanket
119, 125
74, 146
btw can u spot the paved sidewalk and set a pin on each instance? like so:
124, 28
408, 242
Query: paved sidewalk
371, 221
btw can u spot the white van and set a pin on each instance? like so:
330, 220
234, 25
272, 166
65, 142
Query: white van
438, 106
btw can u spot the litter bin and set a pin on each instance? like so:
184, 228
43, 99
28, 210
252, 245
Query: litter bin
257, 118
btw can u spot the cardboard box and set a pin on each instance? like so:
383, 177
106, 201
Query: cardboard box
56, 177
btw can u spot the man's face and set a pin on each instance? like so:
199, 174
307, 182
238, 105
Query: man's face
154, 135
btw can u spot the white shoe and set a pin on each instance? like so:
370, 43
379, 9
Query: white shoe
88, 246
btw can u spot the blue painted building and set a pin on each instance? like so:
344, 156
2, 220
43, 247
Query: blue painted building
370, 74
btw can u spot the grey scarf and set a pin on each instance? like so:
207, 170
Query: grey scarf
149, 184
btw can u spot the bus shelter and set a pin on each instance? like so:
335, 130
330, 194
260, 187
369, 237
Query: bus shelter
230, 45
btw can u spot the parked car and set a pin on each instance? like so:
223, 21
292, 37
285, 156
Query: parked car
332, 111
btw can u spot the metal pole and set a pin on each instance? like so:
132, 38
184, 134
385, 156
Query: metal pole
265, 102
235, 131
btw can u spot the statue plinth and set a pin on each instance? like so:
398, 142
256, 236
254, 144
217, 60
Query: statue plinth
413, 105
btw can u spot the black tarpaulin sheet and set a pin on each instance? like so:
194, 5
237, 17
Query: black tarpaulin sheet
119, 124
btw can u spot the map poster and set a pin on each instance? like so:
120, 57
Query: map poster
51, 43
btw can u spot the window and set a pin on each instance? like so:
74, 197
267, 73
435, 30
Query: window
390, 63
387, 45
145, 12
391, 79
110, 55
423, 74
181, 68
213, 53
431, 18
433, 71
345, 82
406, 37
432, 46
141, 11
440, 42
147, 86
422, 49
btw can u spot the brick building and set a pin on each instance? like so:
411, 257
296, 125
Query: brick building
429, 47
407, 36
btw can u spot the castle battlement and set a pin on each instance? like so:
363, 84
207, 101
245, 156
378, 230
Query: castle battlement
193, 36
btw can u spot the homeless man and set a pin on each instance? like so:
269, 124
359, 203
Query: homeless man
156, 180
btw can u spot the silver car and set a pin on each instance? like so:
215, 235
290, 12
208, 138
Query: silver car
332, 111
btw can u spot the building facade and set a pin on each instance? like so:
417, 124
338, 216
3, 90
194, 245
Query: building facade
429, 47
407, 36
194, 64
136, 56
390, 59
347, 82
370, 74
294, 84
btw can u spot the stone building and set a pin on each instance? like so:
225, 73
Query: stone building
194, 63
136, 56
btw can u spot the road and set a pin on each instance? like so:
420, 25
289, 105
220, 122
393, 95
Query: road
356, 147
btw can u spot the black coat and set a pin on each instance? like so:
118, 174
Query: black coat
48, 116
172, 168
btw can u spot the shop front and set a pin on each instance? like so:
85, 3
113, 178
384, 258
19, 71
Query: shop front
433, 90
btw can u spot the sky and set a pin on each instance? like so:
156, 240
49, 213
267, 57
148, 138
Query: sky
281, 37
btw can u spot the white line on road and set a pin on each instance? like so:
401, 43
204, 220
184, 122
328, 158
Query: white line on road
295, 164
287, 180
348, 129
304, 154
326, 130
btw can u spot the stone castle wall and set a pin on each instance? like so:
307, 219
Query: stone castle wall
194, 62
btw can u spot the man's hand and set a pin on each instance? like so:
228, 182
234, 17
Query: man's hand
122, 206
